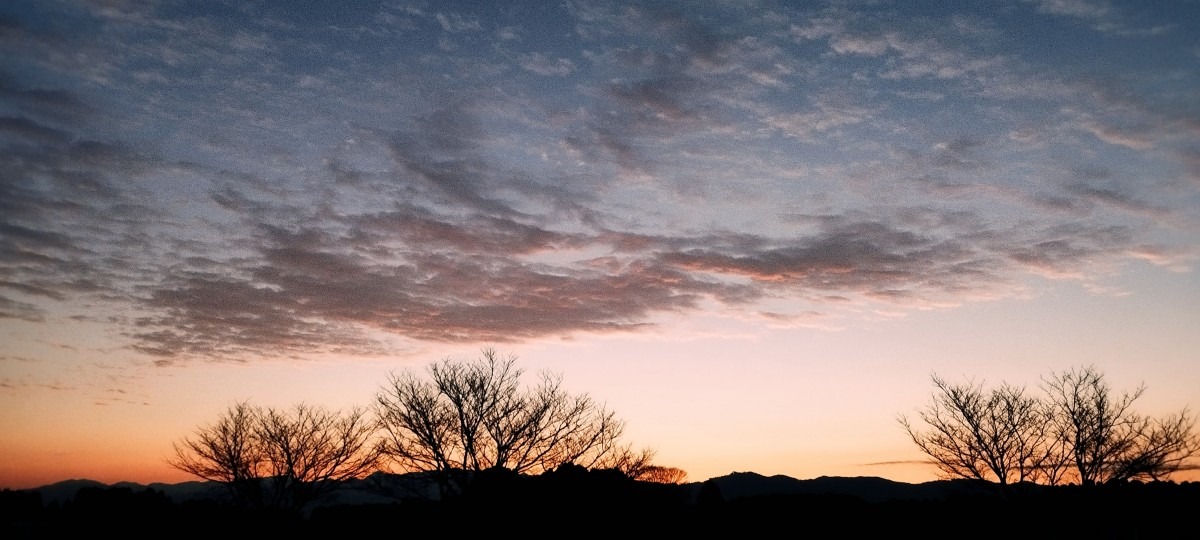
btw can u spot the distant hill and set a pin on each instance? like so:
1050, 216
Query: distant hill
61, 492
379, 487
867, 488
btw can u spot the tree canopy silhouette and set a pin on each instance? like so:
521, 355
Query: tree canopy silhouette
662, 475
280, 459
999, 435
1105, 440
463, 417
1078, 431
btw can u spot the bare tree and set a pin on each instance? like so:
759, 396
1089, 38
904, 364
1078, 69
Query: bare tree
311, 451
625, 459
284, 459
663, 475
998, 435
467, 417
226, 451
1103, 439
1080, 431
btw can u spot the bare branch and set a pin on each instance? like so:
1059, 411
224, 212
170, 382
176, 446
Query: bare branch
281, 459
1104, 440
471, 416
997, 435
1079, 432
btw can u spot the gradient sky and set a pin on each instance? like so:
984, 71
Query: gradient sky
752, 228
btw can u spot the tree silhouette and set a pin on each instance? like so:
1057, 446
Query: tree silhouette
280, 459
629, 462
999, 435
1079, 431
226, 451
467, 417
1104, 440
662, 475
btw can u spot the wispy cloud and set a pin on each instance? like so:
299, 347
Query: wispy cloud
1103, 16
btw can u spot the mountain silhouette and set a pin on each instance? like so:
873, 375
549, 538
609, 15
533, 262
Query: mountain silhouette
867, 488
381, 488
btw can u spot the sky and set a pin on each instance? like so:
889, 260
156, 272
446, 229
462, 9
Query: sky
753, 229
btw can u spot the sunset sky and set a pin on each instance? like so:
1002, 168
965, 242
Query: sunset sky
754, 229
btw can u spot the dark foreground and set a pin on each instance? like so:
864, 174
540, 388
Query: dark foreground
605, 506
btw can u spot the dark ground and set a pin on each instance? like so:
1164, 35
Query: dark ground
593, 503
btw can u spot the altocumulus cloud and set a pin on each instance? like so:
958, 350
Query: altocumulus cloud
219, 183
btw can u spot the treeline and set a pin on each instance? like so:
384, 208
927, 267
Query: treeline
452, 422
459, 419
466, 448
578, 502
